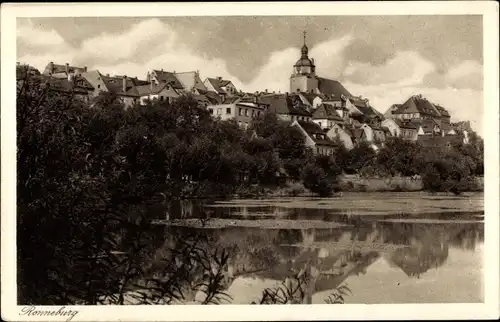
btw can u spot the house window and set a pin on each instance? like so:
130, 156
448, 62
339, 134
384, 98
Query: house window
211, 111
98, 85
161, 98
228, 110
246, 125
319, 123
219, 111
239, 123
246, 112
240, 111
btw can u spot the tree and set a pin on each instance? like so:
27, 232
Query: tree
399, 157
360, 156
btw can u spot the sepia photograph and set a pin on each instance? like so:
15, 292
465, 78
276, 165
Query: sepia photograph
311, 157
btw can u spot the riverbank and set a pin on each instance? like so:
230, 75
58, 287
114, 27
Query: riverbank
348, 183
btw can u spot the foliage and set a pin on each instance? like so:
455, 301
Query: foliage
89, 175
337, 297
321, 175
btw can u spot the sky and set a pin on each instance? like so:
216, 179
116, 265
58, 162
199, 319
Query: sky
383, 58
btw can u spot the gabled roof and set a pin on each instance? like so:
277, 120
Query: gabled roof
284, 104
332, 87
442, 110
311, 96
60, 84
427, 125
144, 90
218, 84
316, 133
357, 133
417, 104
363, 106
327, 111
115, 85
168, 77
460, 126
57, 68
190, 80
234, 99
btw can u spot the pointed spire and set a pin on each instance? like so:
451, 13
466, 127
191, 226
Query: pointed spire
305, 33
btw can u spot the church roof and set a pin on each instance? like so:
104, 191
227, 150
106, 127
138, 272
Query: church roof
304, 61
332, 87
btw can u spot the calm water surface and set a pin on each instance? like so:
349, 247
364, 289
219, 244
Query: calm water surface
412, 248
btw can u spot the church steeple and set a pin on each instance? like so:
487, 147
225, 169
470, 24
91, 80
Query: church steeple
303, 78
304, 50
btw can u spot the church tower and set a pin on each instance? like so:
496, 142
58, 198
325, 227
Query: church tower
303, 78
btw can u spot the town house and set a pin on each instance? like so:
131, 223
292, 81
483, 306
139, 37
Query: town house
62, 71
326, 116
243, 111
286, 107
315, 138
343, 134
222, 87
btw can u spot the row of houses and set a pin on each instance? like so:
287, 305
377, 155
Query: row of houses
323, 109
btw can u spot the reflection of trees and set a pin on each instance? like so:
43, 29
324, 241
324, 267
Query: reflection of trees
427, 247
468, 237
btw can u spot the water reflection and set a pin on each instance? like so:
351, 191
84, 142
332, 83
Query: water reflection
338, 254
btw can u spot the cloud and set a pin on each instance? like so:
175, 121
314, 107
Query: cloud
405, 68
463, 104
275, 73
152, 44
38, 38
142, 38
466, 75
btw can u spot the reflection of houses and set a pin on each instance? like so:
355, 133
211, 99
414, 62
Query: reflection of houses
315, 138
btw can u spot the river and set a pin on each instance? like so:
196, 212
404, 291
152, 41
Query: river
385, 247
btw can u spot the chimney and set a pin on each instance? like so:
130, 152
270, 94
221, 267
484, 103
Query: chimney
265, 90
274, 92
219, 78
67, 68
18, 64
107, 74
85, 69
51, 67
124, 83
